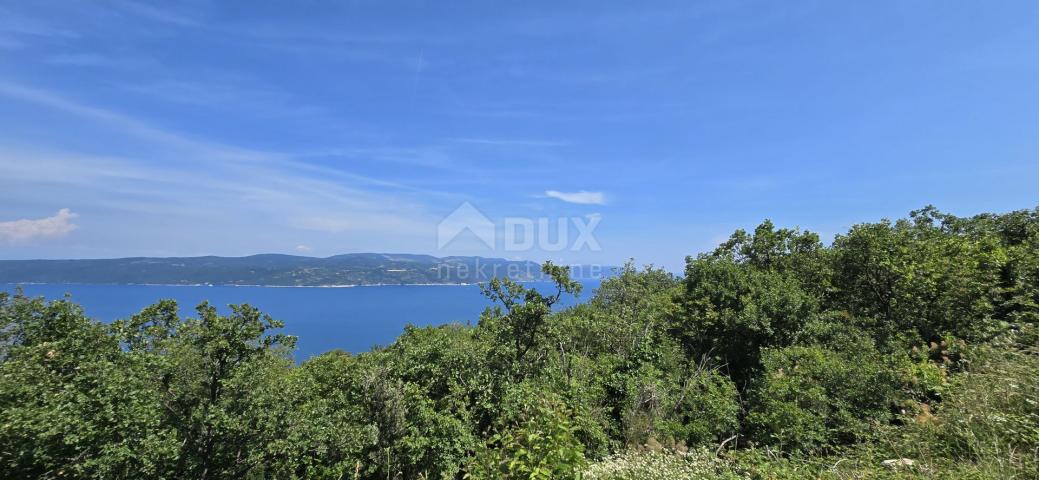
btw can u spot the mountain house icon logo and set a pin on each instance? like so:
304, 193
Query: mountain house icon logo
465, 217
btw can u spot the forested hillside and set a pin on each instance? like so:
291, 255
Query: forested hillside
274, 270
903, 349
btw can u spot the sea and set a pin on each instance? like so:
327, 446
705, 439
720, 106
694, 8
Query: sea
354, 319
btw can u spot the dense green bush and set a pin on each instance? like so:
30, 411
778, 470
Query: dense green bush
71, 402
697, 406
811, 397
732, 311
537, 443
990, 412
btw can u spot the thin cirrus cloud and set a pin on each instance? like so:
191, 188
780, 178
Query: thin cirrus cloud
336, 200
26, 230
581, 197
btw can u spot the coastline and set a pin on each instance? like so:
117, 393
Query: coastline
252, 285
464, 284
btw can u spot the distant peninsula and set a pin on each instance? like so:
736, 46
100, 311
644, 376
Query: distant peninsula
280, 270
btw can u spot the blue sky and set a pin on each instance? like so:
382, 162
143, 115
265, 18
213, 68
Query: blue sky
233, 128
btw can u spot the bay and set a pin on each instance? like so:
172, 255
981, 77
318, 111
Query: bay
324, 318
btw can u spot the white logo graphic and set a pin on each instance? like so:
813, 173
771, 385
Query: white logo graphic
521, 233
465, 217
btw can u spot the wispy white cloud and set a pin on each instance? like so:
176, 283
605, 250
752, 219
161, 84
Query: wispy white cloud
187, 176
506, 142
303, 248
25, 230
237, 92
125, 123
284, 196
360, 222
163, 15
97, 60
21, 25
431, 156
387, 49
581, 197
202, 149
206, 151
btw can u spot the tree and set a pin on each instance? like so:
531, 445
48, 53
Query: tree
731, 311
918, 277
72, 403
526, 311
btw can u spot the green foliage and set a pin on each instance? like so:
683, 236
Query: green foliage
149, 394
519, 329
809, 397
210, 367
71, 403
631, 311
540, 443
732, 311
913, 276
706, 408
989, 412
696, 406
790, 252
773, 357
310, 420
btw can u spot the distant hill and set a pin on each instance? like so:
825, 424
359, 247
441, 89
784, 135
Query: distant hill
276, 270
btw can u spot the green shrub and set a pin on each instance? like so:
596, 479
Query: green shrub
731, 311
809, 398
990, 413
921, 276
540, 444
704, 408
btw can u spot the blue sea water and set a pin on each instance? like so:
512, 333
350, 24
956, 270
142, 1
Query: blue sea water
352, 319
